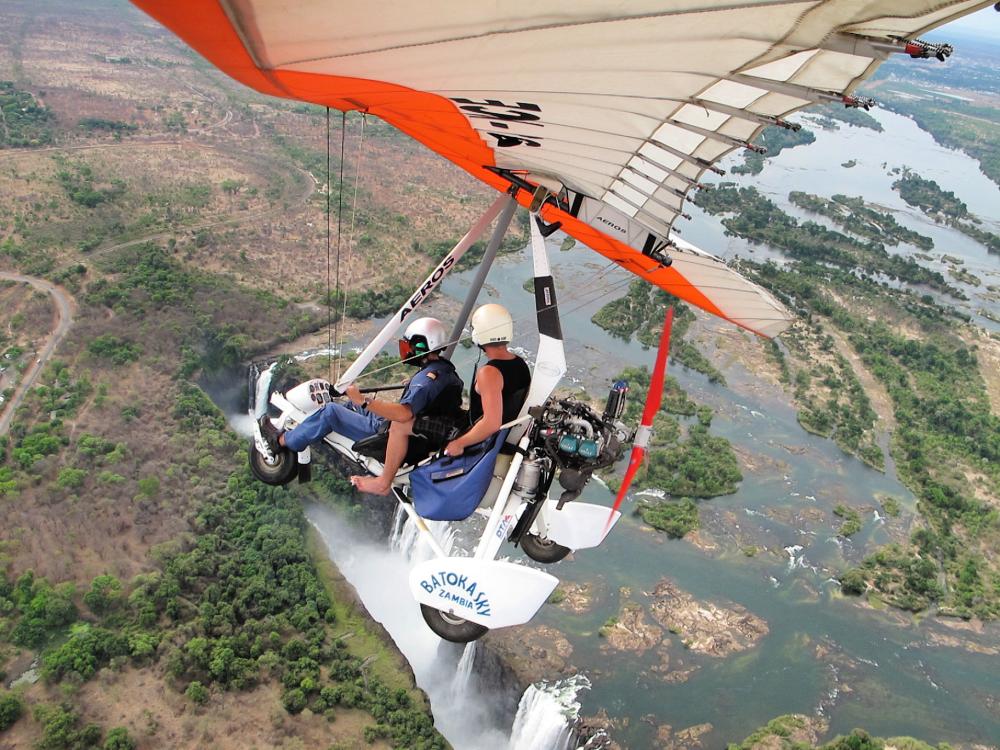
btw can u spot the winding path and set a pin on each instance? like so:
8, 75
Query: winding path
66, 305
65, 310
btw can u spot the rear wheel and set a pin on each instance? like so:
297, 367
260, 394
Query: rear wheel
542, 549
282, 470
450, 627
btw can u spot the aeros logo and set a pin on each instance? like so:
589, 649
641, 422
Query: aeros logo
608, 222
427, 288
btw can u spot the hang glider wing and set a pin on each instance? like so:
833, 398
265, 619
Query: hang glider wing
616, 109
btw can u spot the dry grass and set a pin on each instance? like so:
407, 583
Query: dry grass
160, 717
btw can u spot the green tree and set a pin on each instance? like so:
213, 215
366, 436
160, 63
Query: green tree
11, 709
119, 739
854, 582
71, 478
119, 351
196, 693
105, 594
294, 700
61, 729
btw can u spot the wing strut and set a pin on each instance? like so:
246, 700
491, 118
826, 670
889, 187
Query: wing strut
653, 398
420, 295
485, 265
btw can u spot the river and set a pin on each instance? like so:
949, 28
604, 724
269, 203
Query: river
854, 665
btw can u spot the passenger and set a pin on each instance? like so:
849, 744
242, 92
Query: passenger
435, 391
500, 386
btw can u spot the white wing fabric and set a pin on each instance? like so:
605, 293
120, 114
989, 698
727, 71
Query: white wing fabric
615, 108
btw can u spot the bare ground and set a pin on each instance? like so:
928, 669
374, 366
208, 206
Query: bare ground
158, 716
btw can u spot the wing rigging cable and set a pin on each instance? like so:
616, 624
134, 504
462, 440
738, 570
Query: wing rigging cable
616, 112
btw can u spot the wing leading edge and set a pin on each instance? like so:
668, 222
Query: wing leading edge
617, 111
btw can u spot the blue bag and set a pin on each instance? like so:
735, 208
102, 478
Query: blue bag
451, 488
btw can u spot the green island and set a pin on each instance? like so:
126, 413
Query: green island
750, 215
797, 732
674, 518
946, 442
831, 116
860, 219
943, 206
967, 123
831, 401
640, 314
775, 139
683, 459
851, 520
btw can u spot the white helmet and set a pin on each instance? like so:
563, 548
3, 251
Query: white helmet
492, 324
423, 336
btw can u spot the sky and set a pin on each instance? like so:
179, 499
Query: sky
984, 24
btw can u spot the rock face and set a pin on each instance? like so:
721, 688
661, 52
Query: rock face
705, 628
791, 730
682, 739
631, 631
594, 733
530, 653
511, 659
577, 597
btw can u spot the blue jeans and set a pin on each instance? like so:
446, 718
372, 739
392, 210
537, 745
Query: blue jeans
348, 421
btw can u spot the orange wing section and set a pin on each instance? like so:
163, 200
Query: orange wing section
431, 119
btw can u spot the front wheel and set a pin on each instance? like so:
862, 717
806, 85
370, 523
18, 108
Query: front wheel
282, 470
542, 549
451, 628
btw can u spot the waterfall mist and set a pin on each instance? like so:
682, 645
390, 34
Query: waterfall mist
471, 707
462, 706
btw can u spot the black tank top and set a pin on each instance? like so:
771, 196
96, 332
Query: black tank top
516, 380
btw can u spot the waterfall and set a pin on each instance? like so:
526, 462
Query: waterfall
407, 540
463, 705
463, 712
262, 391
463, 673
399, 520
547, 714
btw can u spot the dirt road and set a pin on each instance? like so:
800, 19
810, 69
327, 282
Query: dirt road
66, 305
65, 309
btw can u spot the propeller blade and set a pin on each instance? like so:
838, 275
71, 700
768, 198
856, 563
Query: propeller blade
654, 397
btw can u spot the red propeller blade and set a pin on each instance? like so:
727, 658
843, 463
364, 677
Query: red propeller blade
654, 397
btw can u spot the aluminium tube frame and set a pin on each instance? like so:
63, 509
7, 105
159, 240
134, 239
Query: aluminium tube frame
503, 223
419, 296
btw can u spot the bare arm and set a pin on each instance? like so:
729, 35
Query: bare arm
489, 384
389, 410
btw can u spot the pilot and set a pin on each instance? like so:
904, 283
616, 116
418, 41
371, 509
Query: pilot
500, 386
435, 391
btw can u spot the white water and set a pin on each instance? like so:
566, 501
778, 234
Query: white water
380, 577
461, 704
262, 391
546, 715
463, 674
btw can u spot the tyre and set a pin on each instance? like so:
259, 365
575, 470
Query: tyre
282, 470
451, 628
542, 549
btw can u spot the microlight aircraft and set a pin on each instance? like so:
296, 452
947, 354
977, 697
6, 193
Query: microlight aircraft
600, 119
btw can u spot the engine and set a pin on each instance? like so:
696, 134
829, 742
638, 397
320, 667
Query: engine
576, 441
